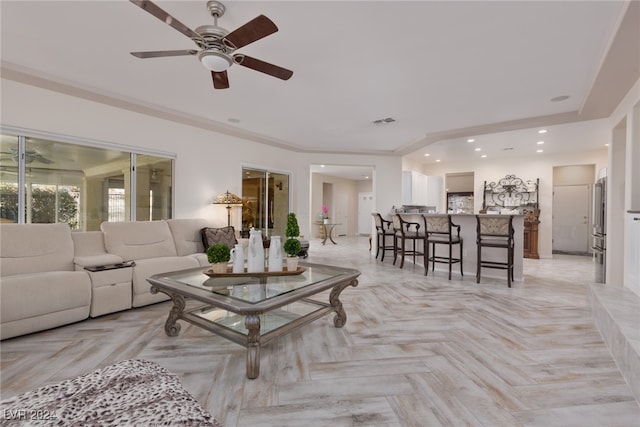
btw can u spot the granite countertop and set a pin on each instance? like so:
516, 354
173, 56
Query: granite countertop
459, 214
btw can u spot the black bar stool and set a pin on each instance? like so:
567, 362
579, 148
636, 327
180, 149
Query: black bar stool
439, 231
383, 230
407, 231
495, 231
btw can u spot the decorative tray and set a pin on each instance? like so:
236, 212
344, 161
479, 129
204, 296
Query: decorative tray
264, 273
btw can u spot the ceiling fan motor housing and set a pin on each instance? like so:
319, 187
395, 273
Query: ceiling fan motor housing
215, 55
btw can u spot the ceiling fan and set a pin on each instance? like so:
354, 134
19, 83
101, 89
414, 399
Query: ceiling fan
30, 156
217, 45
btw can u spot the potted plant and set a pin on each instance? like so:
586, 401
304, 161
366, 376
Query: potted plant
325, 214
292, 245
219, 255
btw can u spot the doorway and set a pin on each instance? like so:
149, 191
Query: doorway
365, 209
265, 201
337, 187
571, 219
572, 209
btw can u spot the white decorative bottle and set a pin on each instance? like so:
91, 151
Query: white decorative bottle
237, 257
275, 254
255, 260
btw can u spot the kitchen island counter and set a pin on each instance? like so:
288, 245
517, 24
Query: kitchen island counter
467, 223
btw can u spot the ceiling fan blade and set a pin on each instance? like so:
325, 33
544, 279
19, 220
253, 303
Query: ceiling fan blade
263, 67
220, 80
161, 53
250, 32
40, 158
156, 11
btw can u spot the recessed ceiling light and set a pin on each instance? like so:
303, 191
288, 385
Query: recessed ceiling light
542, 131
539, 151
470, 140
478, 149
321, 166
427, 155
540, 142
560, 98
483, 156
606, 145
438, 160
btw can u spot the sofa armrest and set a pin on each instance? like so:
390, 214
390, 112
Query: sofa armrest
96, 260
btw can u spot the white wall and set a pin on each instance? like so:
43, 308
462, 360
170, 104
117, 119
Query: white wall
207, 162
624, 163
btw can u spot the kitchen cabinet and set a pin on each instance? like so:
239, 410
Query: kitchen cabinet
422, 190
530, 239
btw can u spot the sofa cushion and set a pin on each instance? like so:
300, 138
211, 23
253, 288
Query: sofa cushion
186, 234
38, 301
134, 240
33, 248
211, 236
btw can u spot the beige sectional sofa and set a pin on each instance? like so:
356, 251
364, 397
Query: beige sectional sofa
39, 286
50, 276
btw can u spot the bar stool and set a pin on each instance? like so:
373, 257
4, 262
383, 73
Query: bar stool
495, 231
439, 231
383, 230
407, 231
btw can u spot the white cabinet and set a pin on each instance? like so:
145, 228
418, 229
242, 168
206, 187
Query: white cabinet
422, 190
632, 279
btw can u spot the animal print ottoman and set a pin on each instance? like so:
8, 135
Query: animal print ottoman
128, 393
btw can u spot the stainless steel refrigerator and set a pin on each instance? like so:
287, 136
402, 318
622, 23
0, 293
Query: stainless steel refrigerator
600, 228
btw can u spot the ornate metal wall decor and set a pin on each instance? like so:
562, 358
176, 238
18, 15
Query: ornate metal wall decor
511, 192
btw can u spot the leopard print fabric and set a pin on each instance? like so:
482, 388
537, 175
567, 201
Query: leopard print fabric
128, 393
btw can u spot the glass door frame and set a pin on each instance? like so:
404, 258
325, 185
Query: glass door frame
268, 171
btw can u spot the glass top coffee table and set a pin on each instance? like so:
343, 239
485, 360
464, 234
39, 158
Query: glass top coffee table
253, 309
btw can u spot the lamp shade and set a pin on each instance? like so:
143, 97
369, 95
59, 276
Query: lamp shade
227, 198
214, 60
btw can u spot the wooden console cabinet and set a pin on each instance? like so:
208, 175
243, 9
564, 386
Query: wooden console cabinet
530, 239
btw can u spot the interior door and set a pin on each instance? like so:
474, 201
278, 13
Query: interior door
342, 213
571, 211
365, 208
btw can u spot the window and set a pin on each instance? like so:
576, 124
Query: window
81, 185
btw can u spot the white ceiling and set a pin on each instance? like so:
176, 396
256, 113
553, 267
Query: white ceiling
443, 70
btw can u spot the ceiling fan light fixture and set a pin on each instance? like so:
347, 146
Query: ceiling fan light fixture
215, 60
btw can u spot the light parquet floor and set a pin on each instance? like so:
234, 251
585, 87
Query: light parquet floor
416, 351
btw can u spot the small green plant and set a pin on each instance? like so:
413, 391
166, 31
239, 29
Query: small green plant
293, 230
292, 246
218, 253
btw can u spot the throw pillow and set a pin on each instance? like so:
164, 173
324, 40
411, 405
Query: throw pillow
211, 236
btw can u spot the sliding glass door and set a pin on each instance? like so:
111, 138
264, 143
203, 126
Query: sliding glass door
47, 181
265, 201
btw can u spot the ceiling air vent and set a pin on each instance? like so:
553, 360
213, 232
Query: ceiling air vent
383, 121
